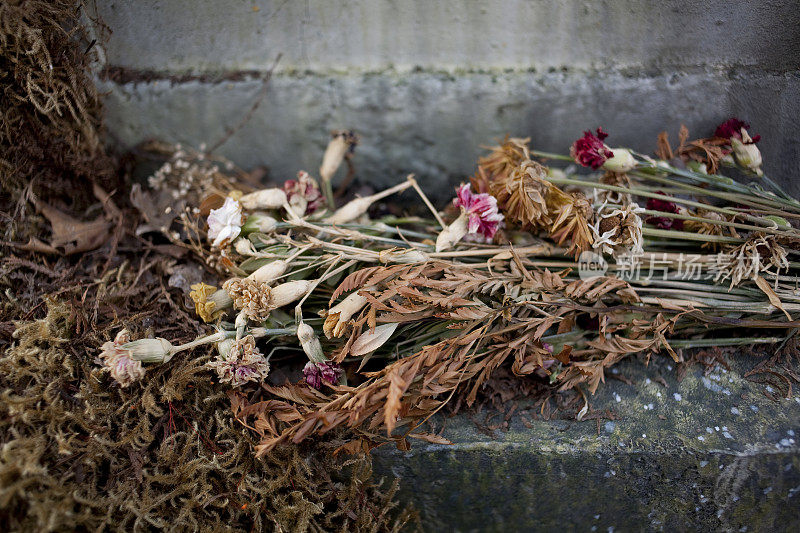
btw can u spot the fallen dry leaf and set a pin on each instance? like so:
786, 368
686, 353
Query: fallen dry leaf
71, 235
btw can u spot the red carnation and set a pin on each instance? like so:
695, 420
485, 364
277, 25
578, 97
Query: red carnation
732, 128
665, 206
590, 151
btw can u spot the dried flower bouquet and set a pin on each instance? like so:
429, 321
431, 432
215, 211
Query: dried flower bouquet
554, 274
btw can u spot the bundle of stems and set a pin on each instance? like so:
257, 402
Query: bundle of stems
555, 274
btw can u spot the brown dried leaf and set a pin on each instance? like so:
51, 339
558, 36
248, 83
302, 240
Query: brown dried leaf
72, 235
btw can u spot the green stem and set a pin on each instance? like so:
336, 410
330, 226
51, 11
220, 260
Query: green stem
729, 341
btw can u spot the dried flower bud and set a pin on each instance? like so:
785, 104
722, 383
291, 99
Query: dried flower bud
310, 343
289, 292
621, 161
259, 222
453, 233
747, 153
209, 302
156, 350
340, 144
224, 347
338, 316
264, 199
323, 372
407, 256
355, 208
350, 211
269, 272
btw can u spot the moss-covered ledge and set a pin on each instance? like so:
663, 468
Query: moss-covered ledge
711, 452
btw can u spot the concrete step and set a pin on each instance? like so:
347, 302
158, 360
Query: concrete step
709, 453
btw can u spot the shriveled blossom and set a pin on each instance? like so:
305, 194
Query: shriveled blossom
760, 253
742, 144
479, 216
707, 228
318, 373
303, 194
483, 217
256, 299
572, 222
242, 363
618, 230
337, 318
732, 129
590, 150
225, 223
523, 193
657, 204
209, 302
503, 159
117, 360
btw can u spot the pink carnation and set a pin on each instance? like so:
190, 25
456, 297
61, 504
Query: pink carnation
732, 128
317, 373
118, 361
590, 150
484, 217
303, 191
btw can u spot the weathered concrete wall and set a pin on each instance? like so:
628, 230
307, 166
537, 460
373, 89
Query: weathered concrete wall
426, 83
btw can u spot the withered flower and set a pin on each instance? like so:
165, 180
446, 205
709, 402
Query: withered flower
590, 150
618, 231
733, 128
479, 217
742, 144
523, 194
303, 194
209, 302
481, 210
619, 179
324, 372
657, 204
257, 299
118, 361
571, 223
760, 253
337, 318
503, 159
240, 362
225, 223
707, 228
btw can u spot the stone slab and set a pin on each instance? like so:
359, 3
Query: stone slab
372, 35
711, 453
433, 123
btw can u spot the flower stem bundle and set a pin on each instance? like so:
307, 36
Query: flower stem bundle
553, 273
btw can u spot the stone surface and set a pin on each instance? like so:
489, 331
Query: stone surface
372, 35
433, 124
711, 453
427, 83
